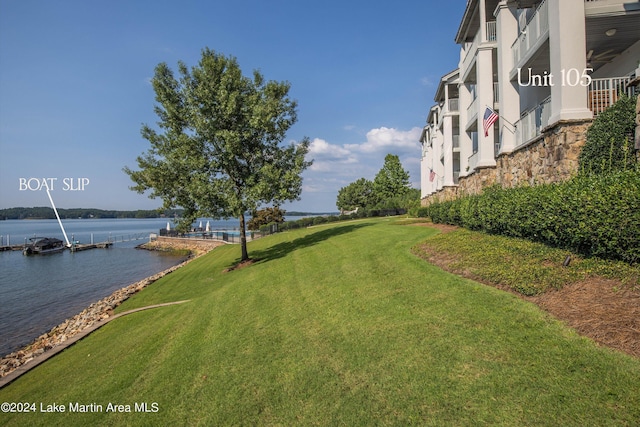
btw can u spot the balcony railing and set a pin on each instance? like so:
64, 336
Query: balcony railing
605, 92
456, 141
532, 122
470, 48
473, 161
472, 111
492, 32
536, 29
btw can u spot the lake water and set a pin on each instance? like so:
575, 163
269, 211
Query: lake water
39, 292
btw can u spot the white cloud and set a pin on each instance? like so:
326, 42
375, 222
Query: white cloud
337, 165
384, 138
329, 157
320, 147
348, 162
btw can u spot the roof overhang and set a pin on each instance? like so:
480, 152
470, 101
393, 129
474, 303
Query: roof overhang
469, 11
448, 78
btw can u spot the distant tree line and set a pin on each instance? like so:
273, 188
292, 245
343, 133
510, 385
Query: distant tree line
44, 212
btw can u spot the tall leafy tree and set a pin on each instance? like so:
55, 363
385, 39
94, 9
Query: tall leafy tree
217, 151
392, 180
358, 194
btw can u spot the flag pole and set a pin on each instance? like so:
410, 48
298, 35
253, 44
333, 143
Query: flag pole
502, 117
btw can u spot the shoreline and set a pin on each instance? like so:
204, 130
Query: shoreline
98, 311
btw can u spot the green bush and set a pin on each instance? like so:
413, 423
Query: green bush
595, 215
419, 212
609, 144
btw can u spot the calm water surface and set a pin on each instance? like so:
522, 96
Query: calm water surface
39, 292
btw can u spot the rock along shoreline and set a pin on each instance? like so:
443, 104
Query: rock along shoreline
101, 310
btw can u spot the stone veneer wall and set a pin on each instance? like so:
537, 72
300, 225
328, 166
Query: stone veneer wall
552, 157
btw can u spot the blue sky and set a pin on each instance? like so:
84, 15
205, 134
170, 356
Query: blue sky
74, 85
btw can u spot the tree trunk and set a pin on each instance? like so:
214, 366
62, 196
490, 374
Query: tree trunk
243, 239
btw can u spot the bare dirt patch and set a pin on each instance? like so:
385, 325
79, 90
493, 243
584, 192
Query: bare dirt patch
602, 309
243, 264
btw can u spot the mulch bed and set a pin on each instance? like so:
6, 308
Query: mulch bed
598, 308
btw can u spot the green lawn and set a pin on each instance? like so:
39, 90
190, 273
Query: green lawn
336, 325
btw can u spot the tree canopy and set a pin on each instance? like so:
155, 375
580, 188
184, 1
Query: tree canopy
266, 216
390, 189
358, 194
217, 149
392, 180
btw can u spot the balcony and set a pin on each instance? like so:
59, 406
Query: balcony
470, 48
532, 122
472, 113
605, 92
533, 34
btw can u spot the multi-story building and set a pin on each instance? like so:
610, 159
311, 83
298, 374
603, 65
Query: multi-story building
546, 68
440, 138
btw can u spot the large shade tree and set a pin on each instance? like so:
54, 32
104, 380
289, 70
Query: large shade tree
392, 180
217, 149
358, 194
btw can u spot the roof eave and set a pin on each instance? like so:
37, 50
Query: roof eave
466, 18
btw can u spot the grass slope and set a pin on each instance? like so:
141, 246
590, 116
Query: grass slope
336, 325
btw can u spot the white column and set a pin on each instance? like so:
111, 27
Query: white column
483, 20
484, 90
447, 131
509, 98
437, 166
567, 41
465, 140
424, 171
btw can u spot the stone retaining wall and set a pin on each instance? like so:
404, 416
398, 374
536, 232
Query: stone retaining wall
553, 157
195, 245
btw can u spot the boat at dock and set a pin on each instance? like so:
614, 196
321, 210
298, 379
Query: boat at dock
43, 246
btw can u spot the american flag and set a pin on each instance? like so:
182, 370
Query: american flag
489, 119
432, 176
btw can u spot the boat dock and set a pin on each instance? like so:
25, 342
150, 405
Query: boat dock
11, 248
77, 247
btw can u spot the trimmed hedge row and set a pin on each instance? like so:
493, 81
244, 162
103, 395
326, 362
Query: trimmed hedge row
594, 215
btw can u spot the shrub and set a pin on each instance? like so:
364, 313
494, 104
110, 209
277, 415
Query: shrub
608, 146
595, 215
419, 212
